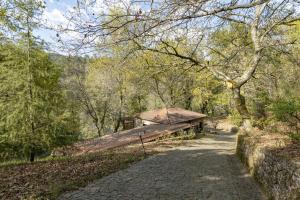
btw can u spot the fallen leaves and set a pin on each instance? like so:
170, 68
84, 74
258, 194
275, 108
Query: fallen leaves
47, 179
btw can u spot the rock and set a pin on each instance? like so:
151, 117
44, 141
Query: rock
279, 175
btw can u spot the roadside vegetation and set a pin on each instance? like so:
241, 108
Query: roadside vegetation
47, 179
236, 59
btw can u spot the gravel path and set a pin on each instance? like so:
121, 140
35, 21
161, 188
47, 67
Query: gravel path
203, 169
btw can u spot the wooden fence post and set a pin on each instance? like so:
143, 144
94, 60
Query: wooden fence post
141, 138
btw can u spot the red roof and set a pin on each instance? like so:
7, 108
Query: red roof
170, 115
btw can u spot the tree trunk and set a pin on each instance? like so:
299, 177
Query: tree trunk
30, 89
203, 107
32, 156
102, 121
117, 126
97, 126
120, 112
139, 98
240, 104
188, 103
188, 97
160, 95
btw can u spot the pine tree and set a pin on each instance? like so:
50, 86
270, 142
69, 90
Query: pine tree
34, 111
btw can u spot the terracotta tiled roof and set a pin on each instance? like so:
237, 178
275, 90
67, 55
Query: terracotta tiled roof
170, 115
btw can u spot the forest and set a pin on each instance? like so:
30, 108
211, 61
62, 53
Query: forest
71, 72
234, 59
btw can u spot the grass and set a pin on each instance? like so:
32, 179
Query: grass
12, 162
24, 161
49, 177
186, 135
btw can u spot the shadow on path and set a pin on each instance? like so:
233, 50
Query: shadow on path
204, 169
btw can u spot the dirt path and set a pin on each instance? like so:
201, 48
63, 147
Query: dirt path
203, 169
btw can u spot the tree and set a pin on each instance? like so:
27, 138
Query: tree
34, 113
108, 85
162, 21
173, 82
288, 111
91, 102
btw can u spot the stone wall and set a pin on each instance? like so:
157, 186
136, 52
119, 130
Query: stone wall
279, 175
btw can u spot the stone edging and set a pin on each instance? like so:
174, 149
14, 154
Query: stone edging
278, 175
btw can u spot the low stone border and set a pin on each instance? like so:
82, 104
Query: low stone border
278, 174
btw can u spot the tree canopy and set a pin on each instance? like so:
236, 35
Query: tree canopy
233, 58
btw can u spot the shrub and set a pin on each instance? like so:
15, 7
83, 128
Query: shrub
236, 118
186, 135
287, 111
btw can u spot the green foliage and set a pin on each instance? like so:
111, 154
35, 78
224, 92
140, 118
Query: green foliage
145, 81
260, 103
295, 137
44, 105
35, 115
18, 16
258, 108
235, 118
223, 47
34, 111
185, 134
288, 111
285, 110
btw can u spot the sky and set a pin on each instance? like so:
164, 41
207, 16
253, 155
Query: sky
54, 16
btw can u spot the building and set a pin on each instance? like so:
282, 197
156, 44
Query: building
171, 116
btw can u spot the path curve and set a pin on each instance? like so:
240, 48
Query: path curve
203, 169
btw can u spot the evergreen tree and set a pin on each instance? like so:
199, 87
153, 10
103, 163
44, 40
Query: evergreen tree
34, 111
